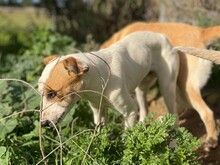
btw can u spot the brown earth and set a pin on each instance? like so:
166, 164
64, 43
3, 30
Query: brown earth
191, 120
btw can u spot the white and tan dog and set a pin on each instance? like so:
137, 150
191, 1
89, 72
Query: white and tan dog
113, 73
123, 67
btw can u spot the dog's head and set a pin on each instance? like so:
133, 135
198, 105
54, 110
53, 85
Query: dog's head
59, 83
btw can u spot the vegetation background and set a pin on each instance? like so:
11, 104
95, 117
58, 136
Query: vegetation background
32, 30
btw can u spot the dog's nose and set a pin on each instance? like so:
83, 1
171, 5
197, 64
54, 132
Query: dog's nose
45, 123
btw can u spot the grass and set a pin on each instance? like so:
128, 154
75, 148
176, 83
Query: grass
23, 17
17, 24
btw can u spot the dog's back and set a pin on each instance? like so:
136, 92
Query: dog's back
179, 34
144, 51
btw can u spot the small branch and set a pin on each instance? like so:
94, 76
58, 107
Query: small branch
21, 81
100, 104
4, 118
62, 144
40, 129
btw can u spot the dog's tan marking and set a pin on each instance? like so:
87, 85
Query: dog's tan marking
75, 66
64, 79
46, 60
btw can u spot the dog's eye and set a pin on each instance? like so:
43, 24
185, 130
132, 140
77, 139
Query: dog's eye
51, 94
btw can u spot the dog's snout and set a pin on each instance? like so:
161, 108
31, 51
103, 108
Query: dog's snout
45, 123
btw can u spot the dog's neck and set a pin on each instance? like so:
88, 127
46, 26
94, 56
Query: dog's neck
99, 71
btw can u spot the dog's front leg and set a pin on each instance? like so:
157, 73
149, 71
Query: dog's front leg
130, 118
99, 115
141, 93
142, 102
125, 104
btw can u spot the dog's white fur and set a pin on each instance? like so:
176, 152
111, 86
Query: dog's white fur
123, 67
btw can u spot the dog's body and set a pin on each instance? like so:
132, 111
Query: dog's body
122, 68
193, 72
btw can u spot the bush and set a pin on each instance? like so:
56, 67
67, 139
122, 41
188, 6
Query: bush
158, 143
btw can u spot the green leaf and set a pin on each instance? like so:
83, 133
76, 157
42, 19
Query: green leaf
7, 127
4, 156
2, 151
5, 109
3, 86
34, 102
34, 132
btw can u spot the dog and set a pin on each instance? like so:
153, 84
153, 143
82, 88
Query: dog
190, 80
179, 34
117, 70
107, 77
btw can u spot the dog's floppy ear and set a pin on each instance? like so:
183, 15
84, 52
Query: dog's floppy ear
46, 60
76, 66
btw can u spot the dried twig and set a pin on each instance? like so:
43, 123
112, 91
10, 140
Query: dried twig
15, 114
100, 105
21, 81
40, 129
62, 144
60, 140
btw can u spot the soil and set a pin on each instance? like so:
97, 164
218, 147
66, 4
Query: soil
190, 119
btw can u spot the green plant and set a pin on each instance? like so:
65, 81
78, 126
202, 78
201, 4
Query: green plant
158, 143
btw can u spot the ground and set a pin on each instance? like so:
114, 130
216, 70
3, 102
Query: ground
191, 120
